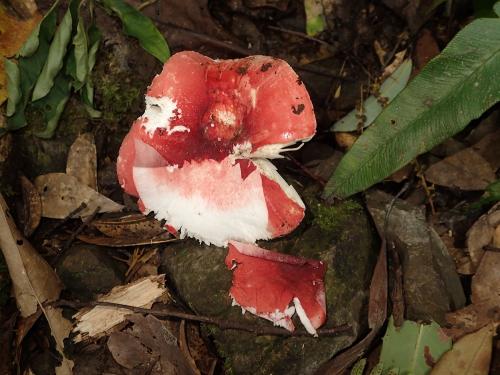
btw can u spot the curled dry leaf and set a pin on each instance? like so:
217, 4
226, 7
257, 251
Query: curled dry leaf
479, 236
466, 170
34, 282
62, 194
470, 355
32, 206
96, 321
82, 160
129, 225
485, 298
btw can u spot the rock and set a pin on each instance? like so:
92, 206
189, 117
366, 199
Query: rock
87, 270
340, 235
430, 282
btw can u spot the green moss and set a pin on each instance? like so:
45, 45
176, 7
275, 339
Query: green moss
332, 218
117, 94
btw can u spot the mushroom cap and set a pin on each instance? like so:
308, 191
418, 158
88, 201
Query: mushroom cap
203, 139
266, 283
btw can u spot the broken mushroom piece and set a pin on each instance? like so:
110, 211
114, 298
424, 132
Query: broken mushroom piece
265, 283
197, 157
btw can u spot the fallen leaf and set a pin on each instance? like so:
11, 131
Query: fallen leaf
129, 225
471, 355
426, 49
82, 160
34, 282
25, 8
489, 150
496, 237
32, 207
480, 235
466, 170
62, 194
94, 322
485, 297
149, 345
413, 348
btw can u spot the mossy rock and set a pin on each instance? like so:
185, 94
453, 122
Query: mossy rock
339, 235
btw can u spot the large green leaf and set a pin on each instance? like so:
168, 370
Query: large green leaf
13, 86
55, 58
453, 89
139, 26
30, 68
81, 50
49, 21
411, 348
53, 104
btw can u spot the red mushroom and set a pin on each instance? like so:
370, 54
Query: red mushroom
197, 157
266, 283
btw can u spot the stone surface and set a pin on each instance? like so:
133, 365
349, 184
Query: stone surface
430, 281
87, 270
340, 235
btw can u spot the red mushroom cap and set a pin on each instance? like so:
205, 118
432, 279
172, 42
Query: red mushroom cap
208, 125
266, 283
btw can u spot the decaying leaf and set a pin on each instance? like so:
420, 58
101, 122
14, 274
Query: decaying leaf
148, 345
129, 225
413, 348
485, 307
471, 355
479, 236
32, 206
82, 160
488, 148
96, 321
62, 194
34, 282
25, 8
465, 170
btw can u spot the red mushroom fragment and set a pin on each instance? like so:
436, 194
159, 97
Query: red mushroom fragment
197, 157
266, 283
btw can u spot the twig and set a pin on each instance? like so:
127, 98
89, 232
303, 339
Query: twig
145, 4
80, 229
70, 216
307, 172
221, 323
300, 35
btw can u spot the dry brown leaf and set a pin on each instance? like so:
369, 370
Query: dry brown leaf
485, 307
496, 237
25, 8
426, 49
82, 160
34, 281
480, 235
62, 194
488, 149
96, 321
148, 345
471, 355
129, 225
466, 170
32, 206
126, 241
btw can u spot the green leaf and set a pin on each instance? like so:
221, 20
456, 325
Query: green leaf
141, 27
410, 348
49, 21
13, 86
359, 367
55, 58
94, 41
53, 105
391, 87
496, 8
81, 50
29, 70
453, 89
